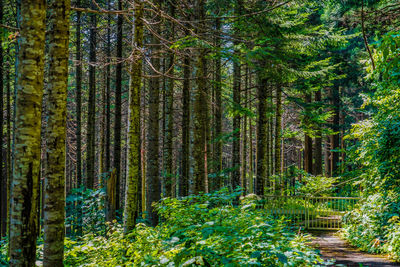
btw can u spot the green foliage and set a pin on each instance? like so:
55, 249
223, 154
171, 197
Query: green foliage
198, 230
316, 185
92, 204
3, 252
373, 225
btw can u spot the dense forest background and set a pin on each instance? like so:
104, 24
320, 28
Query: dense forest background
121, 118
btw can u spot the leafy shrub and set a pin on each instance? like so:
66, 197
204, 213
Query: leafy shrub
92, 204
198, 230
374, 225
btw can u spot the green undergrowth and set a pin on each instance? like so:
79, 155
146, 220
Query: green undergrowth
205, 230
374, 226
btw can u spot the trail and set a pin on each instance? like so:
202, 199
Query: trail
332, 247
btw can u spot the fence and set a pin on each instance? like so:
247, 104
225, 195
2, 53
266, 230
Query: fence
313, 213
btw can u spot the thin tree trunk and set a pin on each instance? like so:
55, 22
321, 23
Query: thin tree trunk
168, 163
54, 212
134, 177
91, 131
318, 142
118, 115
278, 135
336, 128
153, 192
308, 145
9, 170
200, 114
78, 70
3, 178
216, 184
261, 135
184, 179
244, 180
25, 187
236, 105
108, 94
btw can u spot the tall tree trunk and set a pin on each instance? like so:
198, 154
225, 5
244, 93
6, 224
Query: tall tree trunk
118, 115
3, 178
108, 94
184, 178
153, 182
236, 105
169, 114
336, 128
318, 142
91, 131
308, 145
278, 135
78, 70
25, 187
244, 176
200, 113
268, 160
217, 182
110, 206
9, 170
261, 135
54, 212
134, 175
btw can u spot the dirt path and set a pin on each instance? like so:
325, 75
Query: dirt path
332, 247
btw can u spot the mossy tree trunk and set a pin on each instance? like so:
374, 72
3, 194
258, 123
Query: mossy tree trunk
54, 212
134, 178
29, 83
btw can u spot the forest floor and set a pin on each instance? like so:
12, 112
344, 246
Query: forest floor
333, 247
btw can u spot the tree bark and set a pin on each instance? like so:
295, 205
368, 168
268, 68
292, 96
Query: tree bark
184, 178
54, 212
3, 178
118, 115
218, 183
200, 113
261, 135
169, 116
153, 192
78, 70
134, 171
236, 105
308, 145
91, 125
278, 136
25, 187
336, 129
318, 142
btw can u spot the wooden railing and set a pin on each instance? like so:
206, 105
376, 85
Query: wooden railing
313, 213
